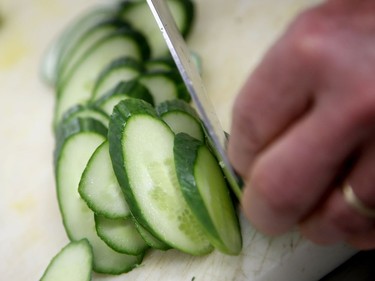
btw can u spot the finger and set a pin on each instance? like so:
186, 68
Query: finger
271, 99
363, 241
292, 175
337, 220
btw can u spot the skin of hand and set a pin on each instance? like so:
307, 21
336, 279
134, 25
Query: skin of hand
304, 124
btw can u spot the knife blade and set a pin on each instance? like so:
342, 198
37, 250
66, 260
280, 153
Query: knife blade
192, 79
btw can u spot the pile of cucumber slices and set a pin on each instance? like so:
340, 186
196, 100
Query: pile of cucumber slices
133, 168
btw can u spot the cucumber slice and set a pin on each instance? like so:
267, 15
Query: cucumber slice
159, 64
141, 149
122, 69
121, 235
124, 90
75, 126
81, 111
150, 239
78, 218
181, 117
163, 85
78, 86
133, 11
89, 39
69, 37
73, 263
205, 190
99, 187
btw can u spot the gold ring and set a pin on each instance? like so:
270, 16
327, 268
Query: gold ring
355, 203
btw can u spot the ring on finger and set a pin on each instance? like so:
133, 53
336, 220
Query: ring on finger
354, 202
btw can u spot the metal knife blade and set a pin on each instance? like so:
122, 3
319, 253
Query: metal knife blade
195, 86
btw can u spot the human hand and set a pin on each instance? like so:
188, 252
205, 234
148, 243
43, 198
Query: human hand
304, 124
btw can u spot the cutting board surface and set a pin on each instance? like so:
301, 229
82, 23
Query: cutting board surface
231, 37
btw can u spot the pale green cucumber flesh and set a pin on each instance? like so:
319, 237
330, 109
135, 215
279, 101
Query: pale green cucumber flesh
78, 87
182, 122
116, 76
182, 12
215, 194
161, 85
98, 31
150, 239
62, 45
147, 175
206, 191
181, 117
123, 90
99, 187
159, 64
121, 69
108, 104
121, 235
78, 218
74, 126
80, 111
73, 263
73, 57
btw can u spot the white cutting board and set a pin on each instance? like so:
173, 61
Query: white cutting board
231, 37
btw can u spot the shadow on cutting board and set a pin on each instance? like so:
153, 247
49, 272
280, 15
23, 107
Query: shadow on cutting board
361, 267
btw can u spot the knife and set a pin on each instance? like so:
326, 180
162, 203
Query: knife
181, 55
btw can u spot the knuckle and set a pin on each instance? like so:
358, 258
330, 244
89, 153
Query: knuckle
245, 125
280, 198
310, 38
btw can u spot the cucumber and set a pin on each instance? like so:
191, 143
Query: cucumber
163, 85
99, 188
133, 11
75, 126
150, 239
141, 149
121, 235
63, 44
90, 38
205, 190
122, 69
73, 263
77, 146
123, 90
77, 87
159, 64
81, 111
181, 117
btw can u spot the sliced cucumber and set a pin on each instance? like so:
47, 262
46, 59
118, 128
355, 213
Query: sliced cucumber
122, 69
159, 64
62, 45
99, 187
121, 235
81, 111
78, 86
124, 90
74, 126
163, 85
133, 11
141, 149
78, 218
87, 40
205, 190
73, 263
150, 239
181, 117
